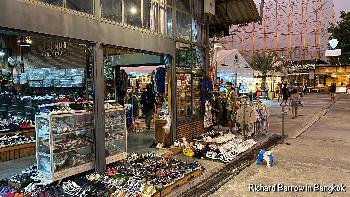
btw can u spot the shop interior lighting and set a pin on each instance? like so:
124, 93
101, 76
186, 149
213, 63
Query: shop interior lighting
25, 41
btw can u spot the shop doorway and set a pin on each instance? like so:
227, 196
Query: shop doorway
139, 81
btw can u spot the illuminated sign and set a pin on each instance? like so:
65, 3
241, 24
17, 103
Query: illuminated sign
53, 49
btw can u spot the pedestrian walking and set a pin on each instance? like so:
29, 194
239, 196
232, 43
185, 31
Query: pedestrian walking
332, 90
277, 91
348, 89
285, 94
295, 102
304, 89
148, 99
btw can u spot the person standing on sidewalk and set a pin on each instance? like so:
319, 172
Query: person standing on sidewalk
277, 91
348, 89
285, 94
332, 90
148, 99
295, 102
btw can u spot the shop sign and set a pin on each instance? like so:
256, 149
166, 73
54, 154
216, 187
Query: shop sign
333, 43
53, 49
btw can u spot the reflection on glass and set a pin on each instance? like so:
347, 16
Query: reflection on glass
56, 3
115, 131
183, 5
150, 15
112, 9
198, 32
183, 95
80, 5
183, 54
195, 30
197, 7
197, 93
133, 12
165, 20
198, 57
184, 24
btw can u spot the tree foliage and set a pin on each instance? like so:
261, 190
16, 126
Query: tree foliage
341, 32
264, 61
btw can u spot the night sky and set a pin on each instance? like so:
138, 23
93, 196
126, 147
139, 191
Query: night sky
341, 5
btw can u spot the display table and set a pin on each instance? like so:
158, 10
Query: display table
20, 150
15, 152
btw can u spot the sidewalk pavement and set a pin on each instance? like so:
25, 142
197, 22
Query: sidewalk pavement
319, 156
314, 106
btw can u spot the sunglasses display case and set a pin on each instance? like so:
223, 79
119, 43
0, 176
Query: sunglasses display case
65, 142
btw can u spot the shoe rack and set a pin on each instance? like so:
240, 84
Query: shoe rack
65, 142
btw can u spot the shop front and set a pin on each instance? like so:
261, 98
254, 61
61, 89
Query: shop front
109, 71
340, 75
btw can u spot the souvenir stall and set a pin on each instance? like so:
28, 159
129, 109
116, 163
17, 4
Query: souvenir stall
249, 118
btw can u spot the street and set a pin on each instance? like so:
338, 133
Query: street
320, 155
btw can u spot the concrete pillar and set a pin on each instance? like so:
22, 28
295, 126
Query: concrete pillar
99, 115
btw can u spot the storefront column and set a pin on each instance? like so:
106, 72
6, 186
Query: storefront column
207, 50
97, 9
99, 118
173, 99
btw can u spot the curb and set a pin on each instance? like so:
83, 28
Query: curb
317, 117
207, 185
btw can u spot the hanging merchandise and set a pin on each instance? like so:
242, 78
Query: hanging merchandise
160, 79
208, 118
206, 91
121, 85
168, 124
252, 118
261, 113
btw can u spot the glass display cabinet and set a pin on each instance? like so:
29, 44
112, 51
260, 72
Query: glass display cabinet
65, 142
184, 95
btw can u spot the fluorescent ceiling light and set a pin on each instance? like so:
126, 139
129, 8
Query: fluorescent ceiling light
2, 53
133, 10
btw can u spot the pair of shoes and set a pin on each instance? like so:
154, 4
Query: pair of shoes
159, 145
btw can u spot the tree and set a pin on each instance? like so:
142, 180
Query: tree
264, 62
341, 32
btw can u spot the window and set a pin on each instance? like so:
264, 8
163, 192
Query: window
56, 3
85, 6
112, 9
183, 5
184, 24
165, 20
150, 15
133, 12
197, 7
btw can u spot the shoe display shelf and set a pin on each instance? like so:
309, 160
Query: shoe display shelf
19, 150
65, 142
116, 134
